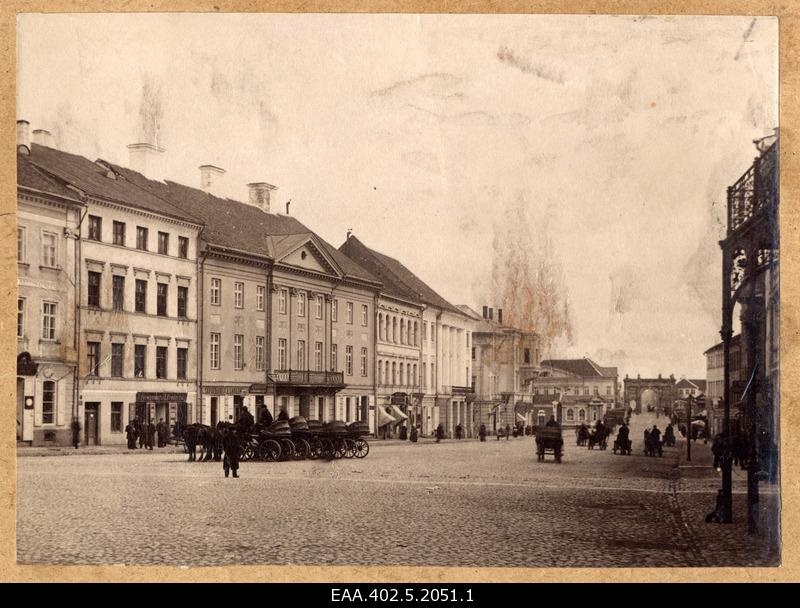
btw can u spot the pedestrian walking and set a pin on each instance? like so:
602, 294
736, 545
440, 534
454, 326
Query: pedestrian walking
283, 415
76, 432
230, 443
508, 431
439, 433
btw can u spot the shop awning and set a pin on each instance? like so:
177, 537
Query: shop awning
398, 413
384, 417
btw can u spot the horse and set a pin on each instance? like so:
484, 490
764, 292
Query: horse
199, 434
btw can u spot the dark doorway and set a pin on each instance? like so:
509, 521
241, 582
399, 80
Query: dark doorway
320, 408
214, 412
259, 407
305, 406
238, 404
364, 409
91, 423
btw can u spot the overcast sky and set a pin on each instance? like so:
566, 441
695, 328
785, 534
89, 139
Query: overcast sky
619, 135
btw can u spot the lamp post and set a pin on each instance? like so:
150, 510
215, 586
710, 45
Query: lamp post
689, 428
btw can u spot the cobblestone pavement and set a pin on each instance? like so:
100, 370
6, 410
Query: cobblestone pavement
458, 503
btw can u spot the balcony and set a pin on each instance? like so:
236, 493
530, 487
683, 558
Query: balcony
308, 378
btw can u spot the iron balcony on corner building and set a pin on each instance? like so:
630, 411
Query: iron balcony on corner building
308, 378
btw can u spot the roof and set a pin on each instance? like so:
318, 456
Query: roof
585, 367
719, 345
396, 278
31, 176
91, 178
237, 225
469, 311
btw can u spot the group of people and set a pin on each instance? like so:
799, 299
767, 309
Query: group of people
147, 433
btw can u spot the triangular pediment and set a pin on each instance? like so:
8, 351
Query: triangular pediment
304, 251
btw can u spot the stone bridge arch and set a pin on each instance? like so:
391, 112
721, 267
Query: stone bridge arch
664, 388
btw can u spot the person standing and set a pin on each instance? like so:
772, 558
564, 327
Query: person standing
459, 431
76, 432
439, 433
143, 434
230, 443
161, 432
151, 435
130, 433
508, 431
482, 432
265, 418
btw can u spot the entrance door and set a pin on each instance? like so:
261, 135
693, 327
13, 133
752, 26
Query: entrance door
364, 409
238, 404
91, 423
305, 406
320, 408
214, 411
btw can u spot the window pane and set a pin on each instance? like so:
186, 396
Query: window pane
183, 297
183, 247
119, 233
118, 292
140, 354
117, 359
182, 356
116, 416
20, 317
141, 295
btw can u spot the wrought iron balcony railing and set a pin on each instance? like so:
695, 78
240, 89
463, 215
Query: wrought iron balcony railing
307, 378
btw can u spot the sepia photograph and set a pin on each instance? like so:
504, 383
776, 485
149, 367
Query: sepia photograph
428, 290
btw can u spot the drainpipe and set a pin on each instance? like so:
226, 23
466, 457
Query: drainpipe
268, 325
76, 341
200, 324
375, 360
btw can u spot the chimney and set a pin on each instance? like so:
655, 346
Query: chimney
23, 137
485, 312
211, 178
259, 195
500, 316
491, 313
43, 137
148, 160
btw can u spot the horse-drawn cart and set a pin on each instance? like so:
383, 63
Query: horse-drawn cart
549, 441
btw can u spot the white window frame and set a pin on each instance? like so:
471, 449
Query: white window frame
260, 353
320, 306
260, 291
238, 351
50, 262
301, 355
214, 347
53, 403
334, 357
364, 315
238, 294
283, 299
282, 343
349, 313
52, 317
21, 303
301, 303
334, 309
216, 291
318, 356
22, 244
348, 360
364, 356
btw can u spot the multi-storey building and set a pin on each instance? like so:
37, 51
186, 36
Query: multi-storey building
137, 304
445, 342
503, 359
715, 378
686, 388
287, 321
48, 216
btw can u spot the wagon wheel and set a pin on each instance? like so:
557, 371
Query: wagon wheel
301, 449
361, 448
315, 448
339, 448
247, 453
349, 448
270, 450
328, 449
287, 449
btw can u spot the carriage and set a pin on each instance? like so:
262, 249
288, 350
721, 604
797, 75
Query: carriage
549, 441
622, 446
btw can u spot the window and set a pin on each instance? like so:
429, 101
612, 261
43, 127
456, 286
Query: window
527, 355
424, 374
93, 298
163, 243
585, 390
363, 361
380, 371
141, 295
238, 295
260, 291
348, 360
141, 238
214, 351
364, 315
581, 415
608, 390
116, 416
49, 241
283, 297
20, 317
334, 310
474, 380
161, 300
473, 353
183, 354
48, 402
334, 357
546, 390
260, 353
570, 415
48, 320
394, 373
301, 303
238, 351
183, 247
118, 292
595, 391
433, 333
93, 356
139, 360
425, 330
318, 356
119, 233
161, 361
282, 353
350, 313
216, 289
183, 299
117, 360
320, 304
301, 354
95, 228
21, 244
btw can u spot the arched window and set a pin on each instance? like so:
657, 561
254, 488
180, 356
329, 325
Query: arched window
408, 333
570, 415
380, 371
401, 374
414, 379
594, 415
394, 372
581, 415
381, 335
540, 417
416, 334
402, 331
394, 330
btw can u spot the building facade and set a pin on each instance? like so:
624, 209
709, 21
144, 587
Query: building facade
48, 216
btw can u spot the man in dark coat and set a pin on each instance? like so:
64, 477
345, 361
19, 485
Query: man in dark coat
439, 433
482, 432
142, 434
161, 431
151, 435
76, 432
246, 420
283, 415
265, 418
230, 443
130, 433
552, 421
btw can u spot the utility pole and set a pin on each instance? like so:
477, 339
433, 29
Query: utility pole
689, 428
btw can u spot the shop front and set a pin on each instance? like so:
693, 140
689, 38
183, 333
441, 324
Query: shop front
153, 407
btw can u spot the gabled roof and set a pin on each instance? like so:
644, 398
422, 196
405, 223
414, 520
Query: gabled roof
469, 312
31, 176
396, 278
586, 368
236, 225
719, 345
93, 179
700, 383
